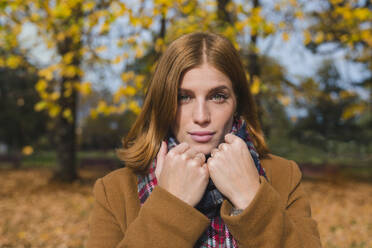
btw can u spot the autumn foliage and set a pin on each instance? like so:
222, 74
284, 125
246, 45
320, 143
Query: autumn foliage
35, 213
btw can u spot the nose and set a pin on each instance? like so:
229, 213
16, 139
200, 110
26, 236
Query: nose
201, 113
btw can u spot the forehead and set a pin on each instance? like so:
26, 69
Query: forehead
204, 77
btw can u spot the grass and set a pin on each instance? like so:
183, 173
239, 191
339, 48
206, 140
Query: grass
339, 153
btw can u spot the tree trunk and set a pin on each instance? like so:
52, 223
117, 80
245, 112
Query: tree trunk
222, 13
254, 70
66, 129
66, 140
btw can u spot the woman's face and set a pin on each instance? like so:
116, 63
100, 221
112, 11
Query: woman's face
206, 105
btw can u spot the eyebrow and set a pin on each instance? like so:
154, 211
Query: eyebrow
222, 87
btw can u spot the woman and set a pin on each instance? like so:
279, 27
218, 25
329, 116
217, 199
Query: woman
198, 172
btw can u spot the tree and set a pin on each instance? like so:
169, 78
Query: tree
79, 33
105, 132
325, 103
340, 25
65, 28
20, 125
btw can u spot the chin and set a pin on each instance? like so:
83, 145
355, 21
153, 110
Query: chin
203, 148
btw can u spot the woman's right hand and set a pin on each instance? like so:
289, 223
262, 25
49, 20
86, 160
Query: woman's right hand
182, 172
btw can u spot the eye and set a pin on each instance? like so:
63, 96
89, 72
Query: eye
219, 97
183, 98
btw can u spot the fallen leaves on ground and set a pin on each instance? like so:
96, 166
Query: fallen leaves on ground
35, 213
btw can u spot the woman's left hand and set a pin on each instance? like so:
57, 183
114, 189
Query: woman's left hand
232, 169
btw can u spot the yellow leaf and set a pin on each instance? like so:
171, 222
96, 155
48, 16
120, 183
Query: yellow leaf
269, 28
285, 36
47, 73
27, 150
61, 36
138, 81
159, 44
285, 100
362, 13
74, 30
139, 52
146, 22
101, 49
67, 58
54, 96
134, 107
120, 43
105, 28
117, 60
307, 37
353, 110
282, 25
131, 40
88, 6
41, 85
127, 76
255, 88
85, 88
67, 93
69, 71
121, 108
13, 61
34, 17
62, 11
67, 113
101, 106
129, 91
54, 111
277, 7
299, 14
134, 21
21, 235
93, 113
293, 2
346, 94
319, 37
40, 106
117, 95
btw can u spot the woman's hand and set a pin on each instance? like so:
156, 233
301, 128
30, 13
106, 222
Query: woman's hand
182, 172
233, 171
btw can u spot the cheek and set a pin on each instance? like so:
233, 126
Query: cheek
179, 123
225, 117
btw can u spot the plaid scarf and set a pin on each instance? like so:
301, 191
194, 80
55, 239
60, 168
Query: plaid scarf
217, 233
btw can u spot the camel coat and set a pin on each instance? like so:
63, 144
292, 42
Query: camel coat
278, 216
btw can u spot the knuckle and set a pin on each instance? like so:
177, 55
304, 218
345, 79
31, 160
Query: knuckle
184, 157
193, 163
171, 153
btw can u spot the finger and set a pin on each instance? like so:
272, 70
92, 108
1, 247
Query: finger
200, 157
214, 151
190, 153
230, 138
222, 146
160, 158
181, 148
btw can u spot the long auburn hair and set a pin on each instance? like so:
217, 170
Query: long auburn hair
143, 141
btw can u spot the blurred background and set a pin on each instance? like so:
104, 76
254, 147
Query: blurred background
73, 75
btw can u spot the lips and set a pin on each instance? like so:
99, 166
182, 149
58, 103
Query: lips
201, 136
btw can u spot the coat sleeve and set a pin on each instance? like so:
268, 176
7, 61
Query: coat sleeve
271, 222
162, 220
